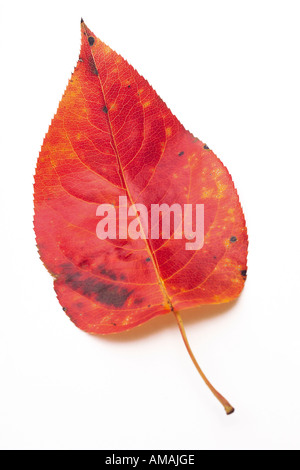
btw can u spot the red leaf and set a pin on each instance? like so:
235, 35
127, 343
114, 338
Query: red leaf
113, 136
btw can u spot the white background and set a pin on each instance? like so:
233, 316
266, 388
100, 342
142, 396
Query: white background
230, 72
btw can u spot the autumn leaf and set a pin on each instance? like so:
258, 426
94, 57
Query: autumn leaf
113, 139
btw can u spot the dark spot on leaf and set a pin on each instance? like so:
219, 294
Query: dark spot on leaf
93, 67
233, 239
82, 20
113, 323
64, 309
244, 273
149, 306
105, 109
84, 264
215, 257
129, 86
206, 147
180, 154
92, 288
138, 301
148, 259
123, 277
107, 272
91, 40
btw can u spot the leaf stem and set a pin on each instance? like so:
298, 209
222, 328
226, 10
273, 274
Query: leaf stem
228, 408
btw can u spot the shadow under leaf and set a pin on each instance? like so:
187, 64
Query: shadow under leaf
168, 321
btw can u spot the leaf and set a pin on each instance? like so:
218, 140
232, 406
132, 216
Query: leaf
113, 136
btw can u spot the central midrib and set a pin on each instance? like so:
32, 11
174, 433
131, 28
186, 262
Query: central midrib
124, 182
